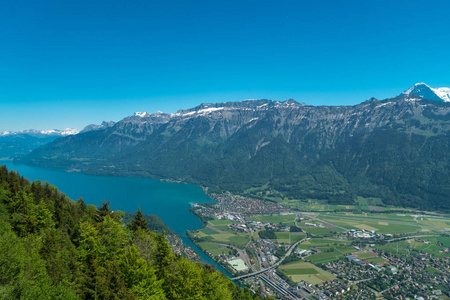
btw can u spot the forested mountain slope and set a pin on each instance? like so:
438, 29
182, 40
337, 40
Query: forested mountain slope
55, 248
15, 144
395, 149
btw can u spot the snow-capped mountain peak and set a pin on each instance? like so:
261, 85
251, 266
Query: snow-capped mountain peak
425, 91
141, 114
56, 132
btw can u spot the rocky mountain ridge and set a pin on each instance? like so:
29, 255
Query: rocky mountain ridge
394, 149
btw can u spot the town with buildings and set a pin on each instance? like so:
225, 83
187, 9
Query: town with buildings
299, 253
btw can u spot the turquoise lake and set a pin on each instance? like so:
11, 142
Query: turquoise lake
169, 201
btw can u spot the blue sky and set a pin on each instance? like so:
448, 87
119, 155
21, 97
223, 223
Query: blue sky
72, 63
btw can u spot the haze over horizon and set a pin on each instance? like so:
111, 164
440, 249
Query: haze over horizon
69, 64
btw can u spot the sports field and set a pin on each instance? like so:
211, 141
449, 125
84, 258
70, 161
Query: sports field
364, 255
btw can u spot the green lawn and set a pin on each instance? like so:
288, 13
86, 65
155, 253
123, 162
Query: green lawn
208, 231
364, 255
298, 271
239, 241
301, 271
345, 250
318, 231
375, 260
328, 256
214, 248
288, 237
317, 241
224, 228
221, 222
275, 219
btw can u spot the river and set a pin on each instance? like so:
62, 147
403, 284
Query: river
169, 201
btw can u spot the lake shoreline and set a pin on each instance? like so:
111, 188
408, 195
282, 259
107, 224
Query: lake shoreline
170, 201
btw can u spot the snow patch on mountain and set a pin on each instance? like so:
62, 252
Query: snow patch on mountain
141, 114
63, 132
425, 91
443, 93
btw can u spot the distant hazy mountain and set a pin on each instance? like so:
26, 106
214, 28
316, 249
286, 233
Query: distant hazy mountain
41, 133
423, 90
17, 143
395, 149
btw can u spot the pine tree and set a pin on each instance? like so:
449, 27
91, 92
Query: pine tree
102, 211
138, 222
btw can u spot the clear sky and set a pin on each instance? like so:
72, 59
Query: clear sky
72, 63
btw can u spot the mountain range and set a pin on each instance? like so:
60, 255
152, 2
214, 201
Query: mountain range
18, 143
392, 152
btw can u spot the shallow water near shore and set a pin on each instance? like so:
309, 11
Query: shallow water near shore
169, 201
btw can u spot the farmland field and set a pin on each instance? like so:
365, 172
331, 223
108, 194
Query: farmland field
404, 247
208, 231
275, 219
214, 248
325, 257
238, 240
288, 237
220, 222
375, 260
298, 271
318, 231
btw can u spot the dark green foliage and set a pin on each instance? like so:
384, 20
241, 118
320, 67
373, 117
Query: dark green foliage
54, 248
295, 229
291, 258
267, 234
103, 211
154, 223
138, 223
403, 170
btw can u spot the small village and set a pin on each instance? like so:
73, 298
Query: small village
180, 249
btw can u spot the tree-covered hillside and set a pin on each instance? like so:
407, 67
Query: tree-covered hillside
55, 248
